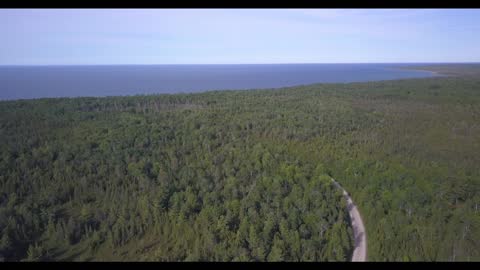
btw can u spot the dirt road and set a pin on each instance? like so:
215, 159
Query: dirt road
360, 249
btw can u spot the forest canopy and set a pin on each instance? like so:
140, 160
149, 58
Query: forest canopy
244, 175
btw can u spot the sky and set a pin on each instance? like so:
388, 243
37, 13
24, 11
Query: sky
237, 36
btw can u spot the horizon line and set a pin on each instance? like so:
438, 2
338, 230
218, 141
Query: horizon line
191, 64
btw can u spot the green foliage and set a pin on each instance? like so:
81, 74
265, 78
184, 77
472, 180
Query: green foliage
35, 253
244, 175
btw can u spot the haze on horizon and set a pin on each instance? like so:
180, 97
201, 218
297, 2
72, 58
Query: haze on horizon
240, 36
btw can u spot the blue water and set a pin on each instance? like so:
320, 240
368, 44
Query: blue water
24, 82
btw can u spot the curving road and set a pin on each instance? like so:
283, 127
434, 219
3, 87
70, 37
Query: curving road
360, 249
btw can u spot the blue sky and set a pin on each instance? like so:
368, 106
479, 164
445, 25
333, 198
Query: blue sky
237, 36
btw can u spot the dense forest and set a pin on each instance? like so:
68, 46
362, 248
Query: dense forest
245, 175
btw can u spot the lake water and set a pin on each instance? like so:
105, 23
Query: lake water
24, 82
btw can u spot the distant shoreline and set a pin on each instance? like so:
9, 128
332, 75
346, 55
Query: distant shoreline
434, 73
449, 70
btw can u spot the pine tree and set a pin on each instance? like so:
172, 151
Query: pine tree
34, 253
5, 244
277, 252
